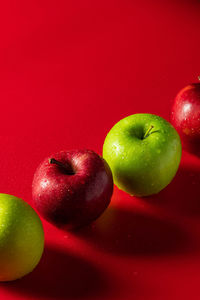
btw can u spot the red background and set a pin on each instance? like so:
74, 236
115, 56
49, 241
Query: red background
69, 70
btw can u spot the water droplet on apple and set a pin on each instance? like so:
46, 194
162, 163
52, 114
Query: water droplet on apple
70, 191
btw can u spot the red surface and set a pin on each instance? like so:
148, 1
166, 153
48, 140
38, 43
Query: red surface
68, 71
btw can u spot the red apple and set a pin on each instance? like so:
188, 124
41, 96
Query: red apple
185, 117
72, 188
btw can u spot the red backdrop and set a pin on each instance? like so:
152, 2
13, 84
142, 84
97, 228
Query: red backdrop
69, 70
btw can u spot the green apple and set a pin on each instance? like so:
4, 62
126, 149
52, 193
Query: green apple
143, 152
21, 238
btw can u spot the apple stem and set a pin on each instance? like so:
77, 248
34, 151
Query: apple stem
65, 166
148, 132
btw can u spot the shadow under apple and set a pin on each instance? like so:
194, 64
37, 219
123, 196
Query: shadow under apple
60, 275
132, 233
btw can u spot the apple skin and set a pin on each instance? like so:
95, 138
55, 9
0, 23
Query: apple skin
21, 238
185, 116
142, 166
73, 200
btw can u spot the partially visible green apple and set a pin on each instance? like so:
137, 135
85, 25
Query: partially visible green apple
21, 238
143, 152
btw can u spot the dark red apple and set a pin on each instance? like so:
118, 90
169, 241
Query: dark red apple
185, 117
72, 188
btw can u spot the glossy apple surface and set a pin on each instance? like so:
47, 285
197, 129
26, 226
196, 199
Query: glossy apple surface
72, 188
21, 238
143, 152
185, 117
